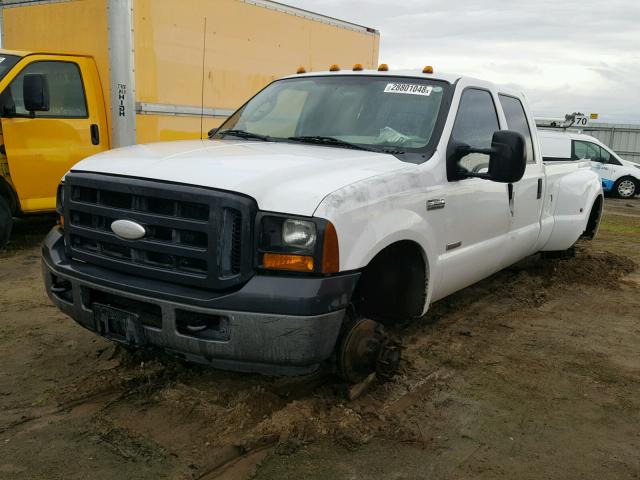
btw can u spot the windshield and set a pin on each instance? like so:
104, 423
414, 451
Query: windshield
381, 112
6, 63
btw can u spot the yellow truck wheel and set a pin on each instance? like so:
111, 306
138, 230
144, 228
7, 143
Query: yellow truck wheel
6, 222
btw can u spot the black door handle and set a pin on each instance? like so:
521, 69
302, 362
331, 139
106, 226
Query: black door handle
95, 134
539, 188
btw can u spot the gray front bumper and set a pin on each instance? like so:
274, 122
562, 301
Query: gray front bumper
272, 343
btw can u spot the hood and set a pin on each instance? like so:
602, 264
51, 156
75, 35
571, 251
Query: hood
628, 163
281, 177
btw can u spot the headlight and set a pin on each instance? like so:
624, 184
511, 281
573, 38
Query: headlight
298, 244
299, 233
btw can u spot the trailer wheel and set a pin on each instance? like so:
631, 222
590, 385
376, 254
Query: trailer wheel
626, 187
6, 222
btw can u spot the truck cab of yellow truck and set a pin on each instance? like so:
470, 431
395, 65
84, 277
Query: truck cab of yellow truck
52, 115
140, 71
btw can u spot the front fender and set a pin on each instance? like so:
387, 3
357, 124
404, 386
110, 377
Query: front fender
375, 213
387, 229
400, 225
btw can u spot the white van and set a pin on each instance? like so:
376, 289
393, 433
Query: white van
618, 176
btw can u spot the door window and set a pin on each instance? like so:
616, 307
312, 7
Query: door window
517, 121
589, 151
605, 157
475, 124
66, 92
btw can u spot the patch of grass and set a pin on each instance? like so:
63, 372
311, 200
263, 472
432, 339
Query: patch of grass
616, 228
622, 222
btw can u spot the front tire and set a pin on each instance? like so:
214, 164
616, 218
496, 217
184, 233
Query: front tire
6, 222
626, 187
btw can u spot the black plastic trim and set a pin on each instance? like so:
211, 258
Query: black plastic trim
277, 294
216, 201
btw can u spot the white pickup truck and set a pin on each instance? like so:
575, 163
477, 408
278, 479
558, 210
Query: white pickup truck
329, 204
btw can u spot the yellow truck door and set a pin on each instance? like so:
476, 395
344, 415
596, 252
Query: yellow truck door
41, 146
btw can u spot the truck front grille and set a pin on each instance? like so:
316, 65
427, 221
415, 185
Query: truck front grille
194, 236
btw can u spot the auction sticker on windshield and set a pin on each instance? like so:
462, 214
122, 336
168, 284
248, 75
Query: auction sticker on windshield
408, 88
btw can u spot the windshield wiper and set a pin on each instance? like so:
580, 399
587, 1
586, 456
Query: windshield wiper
243, 134
321, 140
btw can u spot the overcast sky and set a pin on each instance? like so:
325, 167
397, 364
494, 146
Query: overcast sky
567, 55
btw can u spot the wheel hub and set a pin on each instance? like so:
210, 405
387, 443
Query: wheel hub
366, 348
626, 188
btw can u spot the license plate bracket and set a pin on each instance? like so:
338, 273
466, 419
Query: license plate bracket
119, 325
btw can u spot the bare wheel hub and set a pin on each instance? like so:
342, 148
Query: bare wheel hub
366, 348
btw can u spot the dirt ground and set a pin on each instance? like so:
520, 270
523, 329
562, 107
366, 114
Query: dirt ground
533, 373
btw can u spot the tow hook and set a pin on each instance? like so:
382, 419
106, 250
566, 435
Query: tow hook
365, 349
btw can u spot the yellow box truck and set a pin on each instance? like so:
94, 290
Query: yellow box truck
81, 76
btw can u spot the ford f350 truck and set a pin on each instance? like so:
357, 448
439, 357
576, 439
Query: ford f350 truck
82, 76
329, 205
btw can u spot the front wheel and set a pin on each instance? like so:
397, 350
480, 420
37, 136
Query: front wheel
625, 187
6, 222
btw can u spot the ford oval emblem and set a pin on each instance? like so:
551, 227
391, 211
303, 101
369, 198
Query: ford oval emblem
128, 229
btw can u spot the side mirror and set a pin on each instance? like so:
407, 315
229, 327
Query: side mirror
35, 92
507, 158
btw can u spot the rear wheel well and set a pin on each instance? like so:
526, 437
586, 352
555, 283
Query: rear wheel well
393, 286
594, 219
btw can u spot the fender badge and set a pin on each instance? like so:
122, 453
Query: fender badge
128, 229
435, 203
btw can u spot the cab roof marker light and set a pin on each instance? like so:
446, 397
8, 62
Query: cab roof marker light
357, 67
427, 69
300, 70
383, 67
334, 68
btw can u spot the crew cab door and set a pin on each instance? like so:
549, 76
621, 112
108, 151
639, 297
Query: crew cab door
42, 146
475, 214
525, 196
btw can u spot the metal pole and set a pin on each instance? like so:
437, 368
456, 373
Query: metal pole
1, 25
121, 73
613, 133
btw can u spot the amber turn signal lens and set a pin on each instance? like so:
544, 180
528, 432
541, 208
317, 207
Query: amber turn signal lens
427, 69
61, 220
280, 261
330, 250
357, 67
383, 67
301, 70
334, 68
